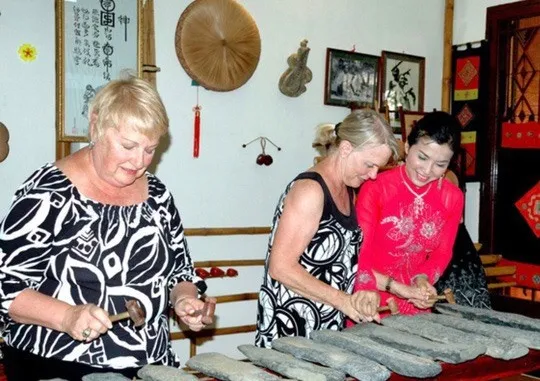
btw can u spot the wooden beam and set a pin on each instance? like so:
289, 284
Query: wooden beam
237, 297
231, 263
492, 286
447, 54
63, 149
147, 41
228, 231
490, 259
500, 270
214, 332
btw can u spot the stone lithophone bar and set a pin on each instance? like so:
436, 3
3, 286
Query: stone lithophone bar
227, 369
491, 316
155, 373
397, 361
452, 353
530, 339
290, 366
496, 348
333, 357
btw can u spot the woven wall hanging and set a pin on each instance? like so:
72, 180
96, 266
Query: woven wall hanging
218, 44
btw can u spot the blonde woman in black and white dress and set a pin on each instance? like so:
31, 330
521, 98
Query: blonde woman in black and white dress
312, 252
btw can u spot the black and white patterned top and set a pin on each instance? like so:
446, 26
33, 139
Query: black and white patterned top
60, 243
465, 274
331, 257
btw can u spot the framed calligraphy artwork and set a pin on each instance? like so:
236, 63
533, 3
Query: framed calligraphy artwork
96, 41
402, 85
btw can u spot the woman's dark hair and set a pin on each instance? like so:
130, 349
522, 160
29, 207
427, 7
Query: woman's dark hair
438, 126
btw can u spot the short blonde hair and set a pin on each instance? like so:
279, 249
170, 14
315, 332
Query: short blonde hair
362, 128
132, 101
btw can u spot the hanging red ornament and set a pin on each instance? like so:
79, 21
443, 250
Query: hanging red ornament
202, 273
196, 131
263, 158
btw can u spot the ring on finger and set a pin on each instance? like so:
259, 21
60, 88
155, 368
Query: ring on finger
86, 333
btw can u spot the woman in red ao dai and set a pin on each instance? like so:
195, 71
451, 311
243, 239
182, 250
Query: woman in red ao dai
410, 217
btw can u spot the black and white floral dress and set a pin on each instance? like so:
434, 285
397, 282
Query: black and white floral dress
331, 257
60, 243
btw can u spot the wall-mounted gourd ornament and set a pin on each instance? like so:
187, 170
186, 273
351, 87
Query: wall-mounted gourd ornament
293, 81
4, 139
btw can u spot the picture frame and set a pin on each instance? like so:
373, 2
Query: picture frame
407, 121
402, 84
96, 41
351, 79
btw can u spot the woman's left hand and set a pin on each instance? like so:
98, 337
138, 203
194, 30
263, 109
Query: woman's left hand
429, 293
189, 310
365, 304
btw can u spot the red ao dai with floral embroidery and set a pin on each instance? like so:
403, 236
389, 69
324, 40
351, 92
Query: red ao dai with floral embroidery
408, 230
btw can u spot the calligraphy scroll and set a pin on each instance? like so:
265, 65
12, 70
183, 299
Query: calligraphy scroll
97, 41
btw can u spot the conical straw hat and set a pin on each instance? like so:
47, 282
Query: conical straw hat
218, 44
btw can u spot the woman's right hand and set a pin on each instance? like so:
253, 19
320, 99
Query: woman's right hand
85, 322
403, 291
414, 294
362, 306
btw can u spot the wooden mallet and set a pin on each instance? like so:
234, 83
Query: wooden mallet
447, 295
134, 312
391, 305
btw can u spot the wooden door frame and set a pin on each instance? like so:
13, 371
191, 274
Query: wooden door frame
496, 102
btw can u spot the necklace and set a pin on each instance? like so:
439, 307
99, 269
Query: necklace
418, 206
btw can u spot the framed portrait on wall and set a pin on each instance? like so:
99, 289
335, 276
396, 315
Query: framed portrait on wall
96, 41
402, 85
351, 78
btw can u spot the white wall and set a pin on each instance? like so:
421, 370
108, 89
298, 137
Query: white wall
470, 26
224, 187
27, 91
470, 19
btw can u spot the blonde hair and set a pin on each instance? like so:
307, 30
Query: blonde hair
324, 138
362, 128
132, 101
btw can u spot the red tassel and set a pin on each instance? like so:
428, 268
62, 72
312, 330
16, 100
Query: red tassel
196, 131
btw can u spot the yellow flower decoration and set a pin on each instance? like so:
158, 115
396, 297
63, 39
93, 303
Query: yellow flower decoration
27, 52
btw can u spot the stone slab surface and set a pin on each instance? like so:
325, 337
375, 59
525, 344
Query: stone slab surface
496, 348
333, 357
397, 361
164, 373
227, 369
491, 316
290, 366
452, 353
530, 339
109, 376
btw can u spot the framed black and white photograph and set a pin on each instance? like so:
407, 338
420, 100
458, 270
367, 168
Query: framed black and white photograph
402, 85
96, 42
351, 79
